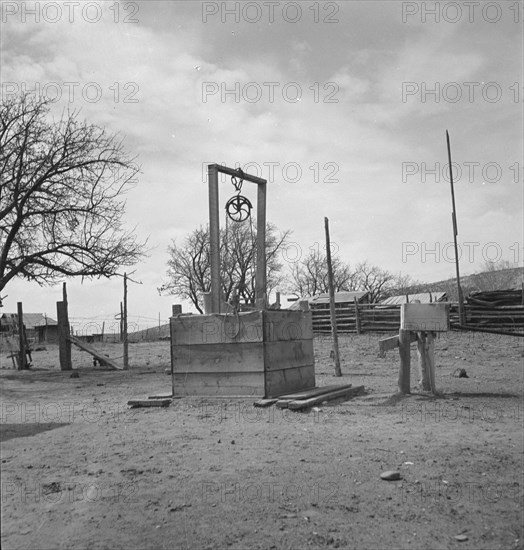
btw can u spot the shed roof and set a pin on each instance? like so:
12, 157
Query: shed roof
31, 320
423, 298
340, 297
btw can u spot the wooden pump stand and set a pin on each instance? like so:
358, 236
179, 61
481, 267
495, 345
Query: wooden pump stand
418, 323
214, 236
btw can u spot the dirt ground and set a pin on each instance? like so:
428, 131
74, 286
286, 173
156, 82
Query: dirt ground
82, 470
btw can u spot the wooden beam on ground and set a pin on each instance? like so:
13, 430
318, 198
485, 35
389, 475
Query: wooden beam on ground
345, 394
92, 351
262, 403
314, 392
149, 403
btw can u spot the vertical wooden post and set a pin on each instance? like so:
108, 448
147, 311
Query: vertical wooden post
121, 330
260, 276
430, 360
124, 326
68, 344
332, 308
462, 315
63, 336
404, 375
357, 316
424, 381
22, 362
214, 238
176, 309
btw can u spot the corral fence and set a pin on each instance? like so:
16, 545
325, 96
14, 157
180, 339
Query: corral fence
360, 318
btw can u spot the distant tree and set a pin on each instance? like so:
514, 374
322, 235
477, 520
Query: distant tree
403, 284
375, 280
309, 276
189, 268
494, 276
61, 196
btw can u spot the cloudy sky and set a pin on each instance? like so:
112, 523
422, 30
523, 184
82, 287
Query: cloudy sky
342, 106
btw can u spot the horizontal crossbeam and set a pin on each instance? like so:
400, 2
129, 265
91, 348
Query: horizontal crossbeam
236, 172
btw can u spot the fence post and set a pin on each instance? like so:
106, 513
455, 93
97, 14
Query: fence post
22, 362
63, 335
404, 375
357, 316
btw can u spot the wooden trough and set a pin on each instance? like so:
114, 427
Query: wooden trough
263, 353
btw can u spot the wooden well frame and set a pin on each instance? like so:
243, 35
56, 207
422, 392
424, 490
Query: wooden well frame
260, 353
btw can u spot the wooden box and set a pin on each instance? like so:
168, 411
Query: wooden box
259, 353
425, 317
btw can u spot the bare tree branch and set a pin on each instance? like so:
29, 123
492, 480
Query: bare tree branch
61, 196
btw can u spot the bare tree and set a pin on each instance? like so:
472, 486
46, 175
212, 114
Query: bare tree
375, 280
309, 276
495, 276
61, 196
403, 284
189, 270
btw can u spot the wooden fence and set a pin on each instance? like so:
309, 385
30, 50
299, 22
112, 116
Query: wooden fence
359, 318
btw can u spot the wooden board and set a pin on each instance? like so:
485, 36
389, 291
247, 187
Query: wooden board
390, 343
288, 354
425, 317
340, 394
215, 384
218, 358
289, 380
313, 392
149, 402
262, 403
217, 328
282, 325
92, 351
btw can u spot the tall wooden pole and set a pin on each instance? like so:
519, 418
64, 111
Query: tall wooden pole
21, 338
124, 326
462, 318
332, 309
68, 328
214, 237
260, 278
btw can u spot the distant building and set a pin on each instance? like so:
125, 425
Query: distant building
39, 328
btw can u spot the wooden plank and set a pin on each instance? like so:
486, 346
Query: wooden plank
347, 393
217, 328
314, 392
424, 317
220, 384
387, 344
218, 358
287, 325
161, 396
288, 354
92, 351
262, 403
392, 342
289, 380
149, 403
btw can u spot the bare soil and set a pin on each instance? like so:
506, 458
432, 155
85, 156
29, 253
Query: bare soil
82, 470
